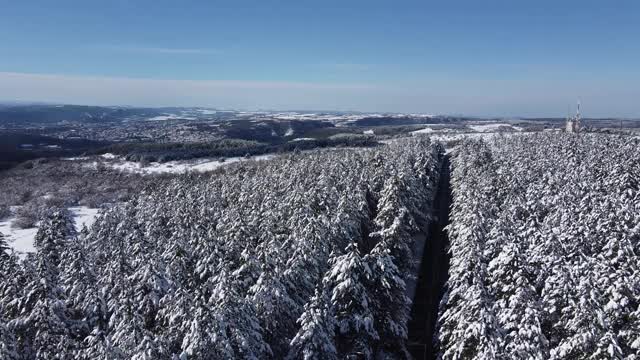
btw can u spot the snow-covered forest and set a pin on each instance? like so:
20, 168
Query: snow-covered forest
544, 239
303, 257
312, 256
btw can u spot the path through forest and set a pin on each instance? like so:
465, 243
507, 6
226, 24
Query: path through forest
432, 275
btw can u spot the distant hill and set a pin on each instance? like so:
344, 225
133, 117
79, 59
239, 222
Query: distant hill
16, 147
48, 114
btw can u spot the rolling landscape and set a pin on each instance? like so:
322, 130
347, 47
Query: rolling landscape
336, 180
316, 235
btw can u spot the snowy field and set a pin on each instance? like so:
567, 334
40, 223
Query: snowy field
108, 156
476, 128
492, 127
174, 167
454, 136
21, 240
423, 131
171, 117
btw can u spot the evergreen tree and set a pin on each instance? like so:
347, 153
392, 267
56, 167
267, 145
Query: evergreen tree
315, 338
390, 304
8, 346
236, 320
43, 328
347, 280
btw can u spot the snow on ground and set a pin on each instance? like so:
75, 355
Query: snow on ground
368, 132
170, 117
387, 141
444, 137
75, 158
109, 156
340, 119
423, 131
162, 118
21, 240
179, 167
84, 216
303, 139
491, 127
289, 132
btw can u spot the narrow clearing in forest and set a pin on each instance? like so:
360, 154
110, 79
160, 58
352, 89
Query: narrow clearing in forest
432, 274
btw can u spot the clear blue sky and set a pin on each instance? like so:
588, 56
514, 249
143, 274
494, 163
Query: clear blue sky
467, 57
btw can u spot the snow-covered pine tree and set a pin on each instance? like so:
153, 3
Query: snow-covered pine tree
43, 328
467, 325
8, 348
276, 310
175, 308
348, 281
236, 319
206, 337
315, 338
389, 301
518, 307
84, 305
128, 336
4, 249
57, 224
10, 276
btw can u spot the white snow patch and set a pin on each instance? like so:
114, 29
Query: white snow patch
303, 139
423, 131
170, 117
368, 132
75, 158
444, 137
162, 118
84, 215
109, 156
388, 141
21, 240
491, 127
179, 167
289, 132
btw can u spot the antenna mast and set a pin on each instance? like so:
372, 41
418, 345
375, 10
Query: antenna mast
578, 120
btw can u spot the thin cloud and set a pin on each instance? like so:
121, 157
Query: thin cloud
347, 66
438, 95
156, 92
158, 50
